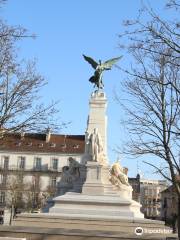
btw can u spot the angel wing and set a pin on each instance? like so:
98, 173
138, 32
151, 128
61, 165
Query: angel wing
91, 61
109, 63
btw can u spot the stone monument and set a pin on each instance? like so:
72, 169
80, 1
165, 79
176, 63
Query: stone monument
99, 197
93, 196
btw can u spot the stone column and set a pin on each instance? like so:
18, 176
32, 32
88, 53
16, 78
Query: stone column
97, 116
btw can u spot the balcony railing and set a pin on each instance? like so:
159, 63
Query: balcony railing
43, 168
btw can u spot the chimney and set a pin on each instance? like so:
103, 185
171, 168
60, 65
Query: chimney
48, 134
22, 134
2, 131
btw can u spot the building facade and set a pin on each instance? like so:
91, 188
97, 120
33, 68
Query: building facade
151, 197
148, 193
135, 183
31, 166
169, 208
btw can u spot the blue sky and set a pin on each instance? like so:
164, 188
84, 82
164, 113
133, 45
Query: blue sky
65, 30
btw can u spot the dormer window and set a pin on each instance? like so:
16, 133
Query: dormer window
75, 146
18, 144
40, 145
63, 145
52, 145
29, 144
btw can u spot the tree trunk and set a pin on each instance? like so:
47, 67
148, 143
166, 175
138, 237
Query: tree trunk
11, 214
178, 218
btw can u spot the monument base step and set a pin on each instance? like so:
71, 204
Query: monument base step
123, 228
108, 206
43, 233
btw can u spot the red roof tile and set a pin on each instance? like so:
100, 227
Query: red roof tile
33, 142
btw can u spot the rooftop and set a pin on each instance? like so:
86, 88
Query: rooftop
35, 142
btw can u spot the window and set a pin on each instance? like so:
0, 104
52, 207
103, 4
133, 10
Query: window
150, 192
37, 163
146, 192
2, 197
21, 162
54, 163
3, 179
53, 182
5, 162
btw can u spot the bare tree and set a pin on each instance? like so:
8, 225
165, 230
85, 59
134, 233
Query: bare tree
23, 193
33, 199
153, 113
153, 88
50, 191
19, 95
156, 31
173, 4
20, 84
19, 107
9, 36
14, 193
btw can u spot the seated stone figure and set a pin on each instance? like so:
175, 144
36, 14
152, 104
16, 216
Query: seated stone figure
73, 177
70, 173
118, 175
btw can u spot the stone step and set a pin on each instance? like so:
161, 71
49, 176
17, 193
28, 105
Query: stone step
48, 233
93, 212
77, 221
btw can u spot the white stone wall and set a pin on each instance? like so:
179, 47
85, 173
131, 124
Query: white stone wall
46, 162
30, 158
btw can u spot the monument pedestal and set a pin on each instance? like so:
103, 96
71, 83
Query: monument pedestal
97, 182
97, 179
98, 199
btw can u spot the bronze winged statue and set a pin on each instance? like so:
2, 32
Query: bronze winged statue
99, 68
